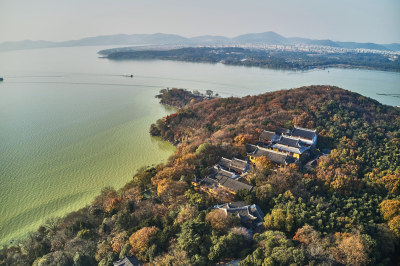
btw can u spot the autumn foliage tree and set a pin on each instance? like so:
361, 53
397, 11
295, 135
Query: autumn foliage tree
285, 179
390, 180
141, 240
221, 220
263, 164
112, 201
339, 177
171, 190
305, 120
243, 139
390, 210
118, 241
394, 226
343, 248
351, 249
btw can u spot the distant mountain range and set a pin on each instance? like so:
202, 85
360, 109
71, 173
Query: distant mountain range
172, 39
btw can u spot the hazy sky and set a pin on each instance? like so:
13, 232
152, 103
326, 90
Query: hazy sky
342, 20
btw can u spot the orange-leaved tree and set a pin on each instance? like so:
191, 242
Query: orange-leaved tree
118, 241
221, 220
141, 240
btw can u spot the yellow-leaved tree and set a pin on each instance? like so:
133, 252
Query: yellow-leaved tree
390, 210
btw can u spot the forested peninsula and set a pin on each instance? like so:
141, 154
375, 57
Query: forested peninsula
342, 210
295, 60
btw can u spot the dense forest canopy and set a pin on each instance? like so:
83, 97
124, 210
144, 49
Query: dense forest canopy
344, 210
266, 58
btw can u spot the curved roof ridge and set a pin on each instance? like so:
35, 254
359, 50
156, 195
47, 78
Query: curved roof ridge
269, 150
234, 158
308, 129
290, 137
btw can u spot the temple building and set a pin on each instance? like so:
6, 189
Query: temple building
277, 157
235, 165
226, 179
284, 146
250, 216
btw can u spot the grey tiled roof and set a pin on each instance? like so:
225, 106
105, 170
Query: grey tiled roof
273, 156
267, 135
303, 133
288, 149
234, 185
238, 204
224, 178
128, 261
224, 162
281, 131
289, 142
248, 214
234, 164
209, 182
238, 165
217, 173
250, 148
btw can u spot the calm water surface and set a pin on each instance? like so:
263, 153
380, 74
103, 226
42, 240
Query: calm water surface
71, 124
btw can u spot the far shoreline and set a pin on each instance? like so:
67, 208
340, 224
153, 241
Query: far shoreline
264, 59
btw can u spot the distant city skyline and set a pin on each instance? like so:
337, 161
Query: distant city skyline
340, 20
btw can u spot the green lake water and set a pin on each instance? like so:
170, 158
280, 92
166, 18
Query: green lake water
71, 123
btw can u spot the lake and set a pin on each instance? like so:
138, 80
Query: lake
71, 123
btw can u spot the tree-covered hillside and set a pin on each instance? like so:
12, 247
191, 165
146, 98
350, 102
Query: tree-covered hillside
344, 210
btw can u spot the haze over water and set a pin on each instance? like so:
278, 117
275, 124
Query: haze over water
71, 124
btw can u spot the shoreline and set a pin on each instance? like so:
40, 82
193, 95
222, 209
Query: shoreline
338, 66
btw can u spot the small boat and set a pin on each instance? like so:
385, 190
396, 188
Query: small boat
1, 79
